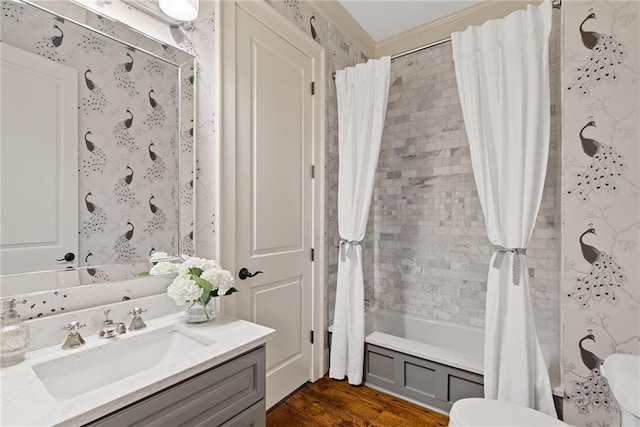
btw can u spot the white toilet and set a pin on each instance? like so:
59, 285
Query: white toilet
489, 412
623, 373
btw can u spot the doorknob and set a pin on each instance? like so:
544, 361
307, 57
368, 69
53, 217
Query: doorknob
68, 257
244, 273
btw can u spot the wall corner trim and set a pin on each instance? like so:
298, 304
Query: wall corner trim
337, 15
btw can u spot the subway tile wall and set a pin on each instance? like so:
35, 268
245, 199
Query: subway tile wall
431, 253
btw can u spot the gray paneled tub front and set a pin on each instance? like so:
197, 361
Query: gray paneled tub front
430, 363
422, 380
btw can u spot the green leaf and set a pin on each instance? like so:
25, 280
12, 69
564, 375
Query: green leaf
205, 298
214, 293
195, 271
206, 286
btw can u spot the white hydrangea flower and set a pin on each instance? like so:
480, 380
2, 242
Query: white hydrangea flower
210, 276
164, 267
158, 256
183, 290
225, 282
183, 271
195, 262
220, 279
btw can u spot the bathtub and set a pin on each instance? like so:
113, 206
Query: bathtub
442, 342
430, 363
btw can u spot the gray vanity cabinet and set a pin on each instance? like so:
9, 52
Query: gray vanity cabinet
231, 394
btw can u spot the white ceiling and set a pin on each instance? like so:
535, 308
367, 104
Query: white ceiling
386, 18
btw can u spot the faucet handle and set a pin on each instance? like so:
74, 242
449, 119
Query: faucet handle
107, 321
74, 339
137, 311
73, 327
137, 323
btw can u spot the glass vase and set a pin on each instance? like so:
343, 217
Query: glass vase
196, 312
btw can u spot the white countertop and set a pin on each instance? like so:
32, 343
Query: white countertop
26, 401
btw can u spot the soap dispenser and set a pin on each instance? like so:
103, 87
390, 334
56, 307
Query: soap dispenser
14, 335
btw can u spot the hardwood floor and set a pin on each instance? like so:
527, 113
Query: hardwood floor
336, 403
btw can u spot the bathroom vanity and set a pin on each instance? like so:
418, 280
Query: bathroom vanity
170, 374
230, 394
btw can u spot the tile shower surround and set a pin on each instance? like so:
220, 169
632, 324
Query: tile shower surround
424, 118
431, 250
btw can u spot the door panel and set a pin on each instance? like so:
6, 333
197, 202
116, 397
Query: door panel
274, 228
277, 154
40, 144
268, 303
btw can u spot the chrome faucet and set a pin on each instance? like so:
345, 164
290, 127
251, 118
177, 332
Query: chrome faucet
137, 323
110, 329
74, 339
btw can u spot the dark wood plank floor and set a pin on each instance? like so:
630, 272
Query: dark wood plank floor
336, 403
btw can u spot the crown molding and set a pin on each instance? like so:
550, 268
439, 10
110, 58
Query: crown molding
337, 15
442, 28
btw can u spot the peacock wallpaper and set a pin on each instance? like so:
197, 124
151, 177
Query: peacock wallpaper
128, 154
600, 201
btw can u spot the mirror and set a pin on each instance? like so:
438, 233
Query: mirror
97, 149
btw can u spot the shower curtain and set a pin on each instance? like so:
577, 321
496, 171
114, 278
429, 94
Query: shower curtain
502, 70
362, 107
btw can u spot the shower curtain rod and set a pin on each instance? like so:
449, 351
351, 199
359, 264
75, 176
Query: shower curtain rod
556, 4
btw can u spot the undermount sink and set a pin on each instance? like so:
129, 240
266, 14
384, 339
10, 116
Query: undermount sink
83, 371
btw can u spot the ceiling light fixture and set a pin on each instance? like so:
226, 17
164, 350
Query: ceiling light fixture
182, 10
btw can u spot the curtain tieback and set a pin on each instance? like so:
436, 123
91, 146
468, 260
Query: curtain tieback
501, 252
346, 246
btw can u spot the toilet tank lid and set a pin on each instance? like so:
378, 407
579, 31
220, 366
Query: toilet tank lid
623, 373
489, 412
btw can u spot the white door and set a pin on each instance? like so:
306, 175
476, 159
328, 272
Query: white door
274, 199
39, 163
